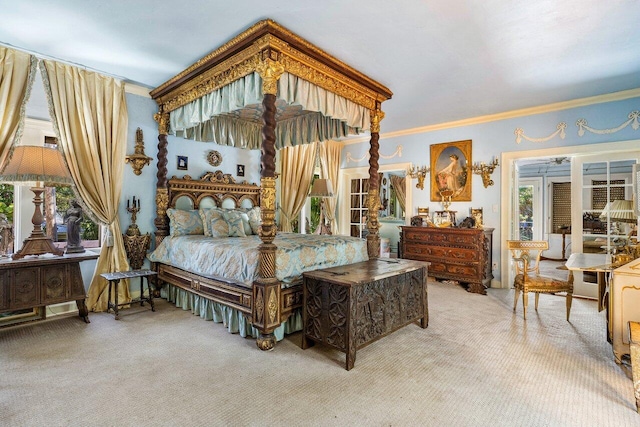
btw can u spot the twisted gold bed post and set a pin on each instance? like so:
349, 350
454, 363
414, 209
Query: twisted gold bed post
162, 194
373, 238
266, 290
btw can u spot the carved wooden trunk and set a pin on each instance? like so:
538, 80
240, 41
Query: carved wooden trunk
30, 283
351, 306
461, 254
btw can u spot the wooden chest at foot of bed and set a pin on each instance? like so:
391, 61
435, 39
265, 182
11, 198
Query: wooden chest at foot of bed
460, 254
351, 306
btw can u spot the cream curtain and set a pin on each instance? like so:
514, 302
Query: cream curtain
89, 115
330, 152
298, 164
17, 70
401, 189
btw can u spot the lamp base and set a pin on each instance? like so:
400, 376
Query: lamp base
37, 245
324, 227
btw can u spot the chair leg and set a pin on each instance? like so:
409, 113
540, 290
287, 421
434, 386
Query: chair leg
537, 298
515, 299
525, 302
569, 300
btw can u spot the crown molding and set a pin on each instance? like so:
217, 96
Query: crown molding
558, 106
136, 90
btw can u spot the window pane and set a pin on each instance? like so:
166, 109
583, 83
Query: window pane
89, 230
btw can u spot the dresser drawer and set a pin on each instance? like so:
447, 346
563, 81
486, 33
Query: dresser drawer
448, 253
442, 237
462, 273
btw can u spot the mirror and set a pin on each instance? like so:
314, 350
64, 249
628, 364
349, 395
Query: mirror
392, 195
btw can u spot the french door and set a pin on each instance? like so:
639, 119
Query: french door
601, 210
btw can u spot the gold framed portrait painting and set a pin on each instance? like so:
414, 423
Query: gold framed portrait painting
451, 171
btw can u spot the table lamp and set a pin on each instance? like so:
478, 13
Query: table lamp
39, 167
322, 188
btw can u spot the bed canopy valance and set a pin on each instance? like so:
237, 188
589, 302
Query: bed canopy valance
266, 89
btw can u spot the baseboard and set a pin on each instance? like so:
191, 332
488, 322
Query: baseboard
70, 308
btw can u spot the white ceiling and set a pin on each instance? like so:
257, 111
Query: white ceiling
445, 60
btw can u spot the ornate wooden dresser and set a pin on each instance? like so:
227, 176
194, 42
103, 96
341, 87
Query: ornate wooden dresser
38, 282
353, 305
461, 254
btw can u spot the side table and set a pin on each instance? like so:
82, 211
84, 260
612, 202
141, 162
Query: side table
114, 279
41, 281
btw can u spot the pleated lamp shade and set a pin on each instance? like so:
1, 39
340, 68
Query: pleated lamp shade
321, 188
36, 165
622, 211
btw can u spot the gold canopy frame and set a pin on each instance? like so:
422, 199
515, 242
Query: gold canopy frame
269, 50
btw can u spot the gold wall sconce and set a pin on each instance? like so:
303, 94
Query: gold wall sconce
485, 170
138, 160
419, 172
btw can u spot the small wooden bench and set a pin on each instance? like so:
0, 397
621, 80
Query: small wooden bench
351, 306
634, 345
114, 279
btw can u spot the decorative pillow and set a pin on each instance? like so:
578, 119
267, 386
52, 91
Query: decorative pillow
183, 222
218, 226
245, 221
207, 215
235, 222
255, 219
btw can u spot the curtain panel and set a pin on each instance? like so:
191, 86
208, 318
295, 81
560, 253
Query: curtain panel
89, 114
297, 164
17, 71
399, 186
330, 152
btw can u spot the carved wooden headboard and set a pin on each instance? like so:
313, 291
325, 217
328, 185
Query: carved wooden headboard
216, 185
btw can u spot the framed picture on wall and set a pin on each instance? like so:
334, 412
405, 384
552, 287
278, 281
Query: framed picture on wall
451, 171
240, 170
183, 163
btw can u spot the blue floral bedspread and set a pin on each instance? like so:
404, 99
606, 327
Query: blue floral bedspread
237, 258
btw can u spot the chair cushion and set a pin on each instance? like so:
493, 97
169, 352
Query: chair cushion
537, 283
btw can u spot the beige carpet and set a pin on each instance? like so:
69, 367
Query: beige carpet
477, 364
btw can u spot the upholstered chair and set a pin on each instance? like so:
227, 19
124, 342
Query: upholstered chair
526, 256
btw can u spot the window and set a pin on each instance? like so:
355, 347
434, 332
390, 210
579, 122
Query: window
6, 219
57, 201
358, 211
17, 200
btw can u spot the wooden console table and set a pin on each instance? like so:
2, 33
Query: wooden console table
349, 307
460, 254
37, 282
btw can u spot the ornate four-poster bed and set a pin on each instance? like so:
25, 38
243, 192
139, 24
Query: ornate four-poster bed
265, 89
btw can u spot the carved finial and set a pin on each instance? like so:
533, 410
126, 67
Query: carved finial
376, 117
163, 122
270, 71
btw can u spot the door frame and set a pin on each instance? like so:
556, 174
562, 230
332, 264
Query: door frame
508, 160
